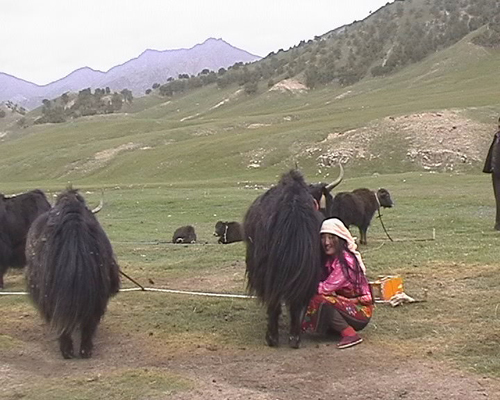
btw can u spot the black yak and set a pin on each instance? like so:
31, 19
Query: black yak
16, 216
283, 252
228, 232
71, 270
184, 234
358, 207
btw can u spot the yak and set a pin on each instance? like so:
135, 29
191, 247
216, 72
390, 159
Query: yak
184, 234
16, 216
71, 270
283, 254
358, 207
228, 232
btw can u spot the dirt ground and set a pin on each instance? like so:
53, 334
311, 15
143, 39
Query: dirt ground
318, 370
436, 141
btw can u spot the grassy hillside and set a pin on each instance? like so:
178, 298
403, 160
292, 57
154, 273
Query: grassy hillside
228, 135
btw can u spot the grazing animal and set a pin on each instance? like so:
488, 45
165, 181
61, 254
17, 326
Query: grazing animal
71, 270
281, 232
16, 216
228, 232
358, 207
492, 166
184, 234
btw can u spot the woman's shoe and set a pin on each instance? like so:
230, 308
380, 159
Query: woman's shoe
349, 341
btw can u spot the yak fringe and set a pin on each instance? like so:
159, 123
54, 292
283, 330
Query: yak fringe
132, 280
383, 226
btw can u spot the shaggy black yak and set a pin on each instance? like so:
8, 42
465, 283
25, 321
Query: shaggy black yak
283, 252
71, 270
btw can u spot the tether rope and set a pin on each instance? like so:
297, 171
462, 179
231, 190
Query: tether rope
174, 291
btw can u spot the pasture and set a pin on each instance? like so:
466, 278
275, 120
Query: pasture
154, 345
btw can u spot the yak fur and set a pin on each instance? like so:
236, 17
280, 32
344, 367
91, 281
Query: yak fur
358, 207
71, 270
228, 232
281, 232
184, 234
17, 213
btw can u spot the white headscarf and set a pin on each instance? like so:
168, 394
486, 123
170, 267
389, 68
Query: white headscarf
336, 227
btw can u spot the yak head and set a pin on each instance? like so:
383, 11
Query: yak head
384, 198
69, 196
321, 193
220, 227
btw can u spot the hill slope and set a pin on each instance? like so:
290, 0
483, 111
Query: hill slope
438, 114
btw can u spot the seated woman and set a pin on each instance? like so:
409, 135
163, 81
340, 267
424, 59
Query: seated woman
343, 302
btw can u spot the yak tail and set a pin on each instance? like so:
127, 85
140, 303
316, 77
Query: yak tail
77, 281
294, 263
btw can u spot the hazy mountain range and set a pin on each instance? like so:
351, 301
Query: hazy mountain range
137, 74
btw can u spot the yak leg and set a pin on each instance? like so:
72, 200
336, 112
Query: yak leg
496, 189
296, 315
2, 273
273, 315
88, 331
66, 345
362, 235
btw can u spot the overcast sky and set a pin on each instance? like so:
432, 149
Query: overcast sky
44, 40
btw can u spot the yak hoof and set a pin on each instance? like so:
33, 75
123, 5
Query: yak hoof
272, 340
85, 353
497, 227
66, 347
294, 342
67, 352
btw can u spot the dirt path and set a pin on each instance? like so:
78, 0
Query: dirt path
323, 372
316, 371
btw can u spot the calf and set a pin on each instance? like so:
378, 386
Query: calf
358, 207
184, 234
228, 232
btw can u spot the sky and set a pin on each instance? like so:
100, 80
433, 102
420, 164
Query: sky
44, 40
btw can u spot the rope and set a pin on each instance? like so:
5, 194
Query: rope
162, 242
382, 222
146, 289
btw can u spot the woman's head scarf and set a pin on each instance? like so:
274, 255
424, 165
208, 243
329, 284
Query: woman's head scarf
336, 227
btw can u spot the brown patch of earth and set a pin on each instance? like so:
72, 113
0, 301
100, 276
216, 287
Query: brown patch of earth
289, 85
435, 140
316, 371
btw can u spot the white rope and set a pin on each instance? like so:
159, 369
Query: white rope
228, 295
13, 293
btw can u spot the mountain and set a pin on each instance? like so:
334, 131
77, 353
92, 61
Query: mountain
137, 75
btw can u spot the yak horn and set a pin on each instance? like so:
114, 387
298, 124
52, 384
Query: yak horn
101, 204
330, 186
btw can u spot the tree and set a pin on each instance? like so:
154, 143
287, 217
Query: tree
116, 101
311, 76
251, 87
127, 95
